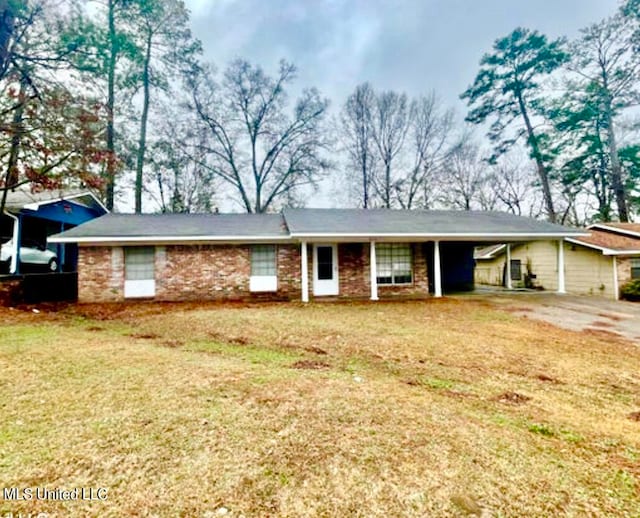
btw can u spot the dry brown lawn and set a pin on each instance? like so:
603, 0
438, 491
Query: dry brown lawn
432, 408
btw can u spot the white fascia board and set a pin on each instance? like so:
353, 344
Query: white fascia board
463, 236
616, 230
622, 252
169, 240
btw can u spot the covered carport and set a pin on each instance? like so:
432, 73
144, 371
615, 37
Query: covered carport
30, 217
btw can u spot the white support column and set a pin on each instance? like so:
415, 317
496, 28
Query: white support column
304, 272
508, 269
616, 292
437, 280
373, 270
15, 253
561, 284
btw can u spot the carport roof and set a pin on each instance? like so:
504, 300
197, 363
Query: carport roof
23, 198
420, 224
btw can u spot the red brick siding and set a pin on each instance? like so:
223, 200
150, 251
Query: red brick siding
208, 272
624, 269
100, 274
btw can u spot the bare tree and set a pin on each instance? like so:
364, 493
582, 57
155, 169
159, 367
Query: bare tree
512, 181
262, 154
357, 138
178, 178
391, 120
428, 145
465, 176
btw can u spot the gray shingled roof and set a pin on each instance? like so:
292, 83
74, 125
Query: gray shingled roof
309, 222
127, 227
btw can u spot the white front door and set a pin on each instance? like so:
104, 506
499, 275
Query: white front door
325, 269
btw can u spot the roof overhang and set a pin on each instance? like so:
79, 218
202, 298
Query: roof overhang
617, 230
476, 237
74, 197
168, 240
604, 250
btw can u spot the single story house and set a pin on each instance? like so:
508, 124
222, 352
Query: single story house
298, 254
595, 264
30, 217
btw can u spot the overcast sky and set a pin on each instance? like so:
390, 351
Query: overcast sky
405, 45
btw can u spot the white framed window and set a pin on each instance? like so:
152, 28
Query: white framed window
139, 271
635, 268
394, 263
264, 276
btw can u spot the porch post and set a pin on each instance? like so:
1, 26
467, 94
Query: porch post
373, 270
304, 272
561, 284
14, 266
61, 251
437, 281
616, 293
508, 268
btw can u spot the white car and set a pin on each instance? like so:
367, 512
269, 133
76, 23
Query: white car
36, 255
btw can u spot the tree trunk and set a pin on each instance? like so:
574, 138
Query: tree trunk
11, 174
365, 183
542, 170
7, 17
142, 142
616, 169
387, 185
111, 72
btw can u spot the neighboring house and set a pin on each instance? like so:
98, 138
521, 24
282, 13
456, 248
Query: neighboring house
596, 264
30, 217
299, 254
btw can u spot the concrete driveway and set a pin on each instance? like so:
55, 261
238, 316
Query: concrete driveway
578, 313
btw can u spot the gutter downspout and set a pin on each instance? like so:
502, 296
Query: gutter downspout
15, 256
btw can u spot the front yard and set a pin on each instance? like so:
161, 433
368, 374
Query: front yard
433, 408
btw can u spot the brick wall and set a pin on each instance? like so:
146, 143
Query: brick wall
100, 274
210, 272
624, 269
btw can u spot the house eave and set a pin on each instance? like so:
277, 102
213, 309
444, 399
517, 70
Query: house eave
615, 230
431, 236
169, 240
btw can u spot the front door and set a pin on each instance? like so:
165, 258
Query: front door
325, 269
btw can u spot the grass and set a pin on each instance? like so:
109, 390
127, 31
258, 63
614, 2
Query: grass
434, 408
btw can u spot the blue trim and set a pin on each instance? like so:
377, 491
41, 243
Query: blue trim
65, 212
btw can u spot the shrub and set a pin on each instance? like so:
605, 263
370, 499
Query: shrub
631, 290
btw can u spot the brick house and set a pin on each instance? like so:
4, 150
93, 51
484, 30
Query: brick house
598, 264
298, 254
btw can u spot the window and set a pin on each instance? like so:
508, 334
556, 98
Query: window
516, 270
263, 260
264, 275
635, 268
325, 262
139, 263
139, 271
394, 263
